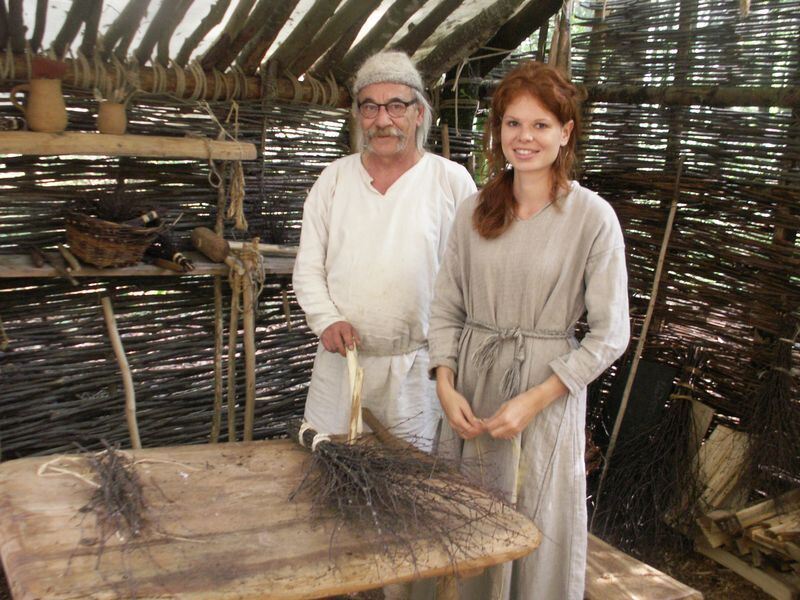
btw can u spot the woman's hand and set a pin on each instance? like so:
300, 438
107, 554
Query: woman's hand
455, 406
516, 414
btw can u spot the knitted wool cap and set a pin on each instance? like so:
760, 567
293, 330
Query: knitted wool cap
388, 67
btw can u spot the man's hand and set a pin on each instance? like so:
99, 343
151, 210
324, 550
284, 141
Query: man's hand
339, 337
456, 408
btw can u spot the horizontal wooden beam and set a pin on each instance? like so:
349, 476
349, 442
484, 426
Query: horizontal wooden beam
719, 96
215, 88
21, 266
101, 144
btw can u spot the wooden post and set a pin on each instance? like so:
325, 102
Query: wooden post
127, 380
249, 328
233, 329
445, 141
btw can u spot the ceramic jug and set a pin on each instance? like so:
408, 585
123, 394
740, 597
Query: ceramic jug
44, 108
111, 117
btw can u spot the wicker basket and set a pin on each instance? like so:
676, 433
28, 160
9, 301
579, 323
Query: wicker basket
106, 244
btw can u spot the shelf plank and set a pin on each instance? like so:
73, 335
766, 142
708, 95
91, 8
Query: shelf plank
21, 265
101, 144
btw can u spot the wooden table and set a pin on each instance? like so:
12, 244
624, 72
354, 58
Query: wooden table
221, 527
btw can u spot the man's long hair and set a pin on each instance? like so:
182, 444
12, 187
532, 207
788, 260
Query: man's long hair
494, 212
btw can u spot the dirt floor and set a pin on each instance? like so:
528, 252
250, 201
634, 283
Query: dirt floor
713, 580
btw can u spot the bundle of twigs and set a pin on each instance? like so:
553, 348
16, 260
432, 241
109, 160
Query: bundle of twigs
118, 501
774, 425
401, 494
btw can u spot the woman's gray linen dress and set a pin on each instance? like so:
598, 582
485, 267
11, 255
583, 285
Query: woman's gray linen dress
502, 318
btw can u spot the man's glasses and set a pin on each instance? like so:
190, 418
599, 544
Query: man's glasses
395, 108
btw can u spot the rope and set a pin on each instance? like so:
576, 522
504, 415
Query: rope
200, 81
241, 81
236, 195
298, 90
180, 76
334, 95
7, 66
219, 81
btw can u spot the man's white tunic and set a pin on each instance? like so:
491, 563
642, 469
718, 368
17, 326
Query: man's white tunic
371, 259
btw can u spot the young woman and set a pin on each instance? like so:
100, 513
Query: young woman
526, 257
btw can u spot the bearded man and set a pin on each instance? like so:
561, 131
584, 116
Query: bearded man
375, 226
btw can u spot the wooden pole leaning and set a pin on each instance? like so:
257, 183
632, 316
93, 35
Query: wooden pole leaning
249, 333
637, 355
127, 379
233, 330
216, 422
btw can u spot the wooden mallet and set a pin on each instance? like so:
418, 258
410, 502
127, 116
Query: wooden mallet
215, 248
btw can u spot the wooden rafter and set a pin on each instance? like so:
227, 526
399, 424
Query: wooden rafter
415, 37
786, 97
312, 21
527, 20
90, 31
162, 21
344, 19
77, 15
16, 25
467, 38
213, 18
39, 25
162, 53
260, 18
235, 22
3, 24
254, 50
380, 35
124, 26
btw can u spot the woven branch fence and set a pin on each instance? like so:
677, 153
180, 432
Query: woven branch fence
59, 379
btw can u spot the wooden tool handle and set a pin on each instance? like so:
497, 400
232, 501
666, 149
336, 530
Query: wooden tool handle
210, 244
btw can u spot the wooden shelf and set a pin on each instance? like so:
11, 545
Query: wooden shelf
21, 265
101, 144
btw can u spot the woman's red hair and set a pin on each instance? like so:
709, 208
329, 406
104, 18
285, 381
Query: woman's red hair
495, 210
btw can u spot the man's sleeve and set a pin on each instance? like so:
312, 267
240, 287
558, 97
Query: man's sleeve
310, 279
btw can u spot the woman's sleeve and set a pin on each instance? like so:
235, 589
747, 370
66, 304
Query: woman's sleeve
310, 278
447, 309
606, 297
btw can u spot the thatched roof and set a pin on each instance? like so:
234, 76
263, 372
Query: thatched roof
297, 49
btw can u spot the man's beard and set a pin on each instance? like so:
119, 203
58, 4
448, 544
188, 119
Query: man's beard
380, 132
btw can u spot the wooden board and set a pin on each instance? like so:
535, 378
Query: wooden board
20, 265
610, 573
224, 528
102, 144
784, 586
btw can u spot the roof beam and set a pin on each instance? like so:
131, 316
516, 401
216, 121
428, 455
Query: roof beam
254, 50
92, 24
16, 25
211, 20
235, 22
297, 40
40, 23
467, 38
162, 54
347, 17
78, 13
527, 20
377, 38
165, 20
417, 35
124, 26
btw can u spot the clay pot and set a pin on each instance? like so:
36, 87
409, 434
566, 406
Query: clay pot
44, 107
111, 117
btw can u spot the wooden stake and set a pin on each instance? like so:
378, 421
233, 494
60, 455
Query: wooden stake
642, 336
127, 379
216, 420
249, 346
233, 329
